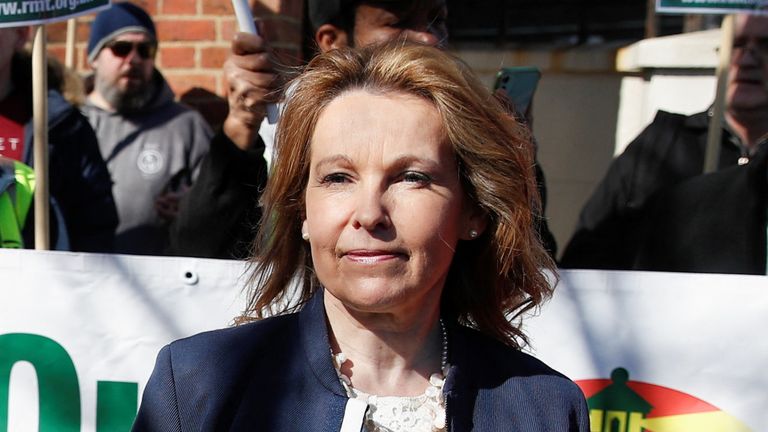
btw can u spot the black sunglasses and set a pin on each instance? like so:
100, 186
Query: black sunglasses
146, 49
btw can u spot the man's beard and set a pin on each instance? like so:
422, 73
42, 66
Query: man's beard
126, 101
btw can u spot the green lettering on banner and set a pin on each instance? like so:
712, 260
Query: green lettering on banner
117, 405
57, 385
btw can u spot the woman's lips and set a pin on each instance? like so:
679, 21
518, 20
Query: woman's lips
371, 256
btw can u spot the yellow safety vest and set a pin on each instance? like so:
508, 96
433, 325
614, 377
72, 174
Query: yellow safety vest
17, 183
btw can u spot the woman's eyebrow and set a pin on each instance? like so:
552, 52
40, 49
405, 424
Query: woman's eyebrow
409, 160
333, 160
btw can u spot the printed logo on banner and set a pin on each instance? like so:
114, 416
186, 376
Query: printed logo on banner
59, 388
621, 405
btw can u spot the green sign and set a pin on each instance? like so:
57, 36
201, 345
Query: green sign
14, 13
712, 6
58, 387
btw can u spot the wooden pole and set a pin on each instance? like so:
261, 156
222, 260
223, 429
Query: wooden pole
40, 150
69, 57
714, 136
651, 21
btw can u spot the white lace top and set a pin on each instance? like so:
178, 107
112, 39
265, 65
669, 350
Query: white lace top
424, 413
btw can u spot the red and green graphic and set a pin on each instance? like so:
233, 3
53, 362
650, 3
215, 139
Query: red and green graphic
620, 405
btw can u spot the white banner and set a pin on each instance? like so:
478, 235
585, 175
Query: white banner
691, 345
107, 315
666, 352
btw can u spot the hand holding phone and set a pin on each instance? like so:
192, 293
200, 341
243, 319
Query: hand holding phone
519, 84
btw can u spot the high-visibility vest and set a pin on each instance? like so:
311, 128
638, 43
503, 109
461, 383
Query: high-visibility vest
17, 184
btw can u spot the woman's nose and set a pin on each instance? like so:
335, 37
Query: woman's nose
370, 210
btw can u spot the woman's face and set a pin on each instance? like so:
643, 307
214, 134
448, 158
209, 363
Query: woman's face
384, 203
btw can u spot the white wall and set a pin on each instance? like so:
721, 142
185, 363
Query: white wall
672, 73
593, 100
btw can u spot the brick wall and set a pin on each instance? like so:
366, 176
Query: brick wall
194, 38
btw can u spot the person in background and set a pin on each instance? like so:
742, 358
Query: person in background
17, 184
714, 223
152, 144
235, 172
401, 202
83, 210
670, 150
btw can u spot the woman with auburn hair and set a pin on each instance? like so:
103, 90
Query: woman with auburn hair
401, 205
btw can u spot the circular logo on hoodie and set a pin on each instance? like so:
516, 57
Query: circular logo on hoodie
150, 161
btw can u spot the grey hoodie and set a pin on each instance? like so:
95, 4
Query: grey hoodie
144, 151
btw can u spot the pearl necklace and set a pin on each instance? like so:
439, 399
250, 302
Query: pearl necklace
430, 405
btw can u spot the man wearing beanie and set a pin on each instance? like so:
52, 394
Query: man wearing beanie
152, 145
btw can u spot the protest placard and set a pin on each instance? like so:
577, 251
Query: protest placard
15, 13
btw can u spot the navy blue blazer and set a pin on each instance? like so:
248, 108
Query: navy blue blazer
277, 375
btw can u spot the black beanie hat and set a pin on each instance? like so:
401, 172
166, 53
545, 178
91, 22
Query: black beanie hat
118, 19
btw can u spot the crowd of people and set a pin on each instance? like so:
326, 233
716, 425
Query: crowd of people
654, 210
133, 171
404, 199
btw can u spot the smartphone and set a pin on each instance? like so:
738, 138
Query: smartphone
520, 84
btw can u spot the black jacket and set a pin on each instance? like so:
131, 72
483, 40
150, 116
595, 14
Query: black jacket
715, 223
670, 150
80, 184
219, 215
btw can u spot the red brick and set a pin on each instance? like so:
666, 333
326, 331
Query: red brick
180, 7
151, 6
57, 32
217, 7
186, 30
83, 30
58, 52
228, 29
182, 83
177, 57
213, 57
223, 86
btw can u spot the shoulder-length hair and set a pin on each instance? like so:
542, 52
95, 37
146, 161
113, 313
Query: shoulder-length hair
493, 279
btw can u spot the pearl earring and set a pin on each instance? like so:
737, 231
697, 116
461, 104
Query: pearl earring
305, 235
473, 234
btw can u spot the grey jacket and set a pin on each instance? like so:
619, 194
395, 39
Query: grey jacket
148, 153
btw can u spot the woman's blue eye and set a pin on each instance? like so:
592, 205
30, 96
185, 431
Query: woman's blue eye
335, 178
416, 177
